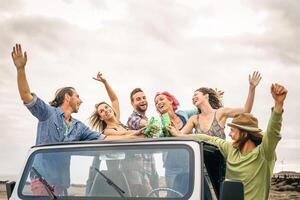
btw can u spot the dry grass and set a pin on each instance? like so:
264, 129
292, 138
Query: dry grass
287, 195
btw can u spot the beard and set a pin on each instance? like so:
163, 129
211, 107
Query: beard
75, 108
141, 110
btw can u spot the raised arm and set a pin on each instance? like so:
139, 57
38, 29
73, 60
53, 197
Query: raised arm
272, 135
279, 94
231, 112
20, 60
253, 82
112, 95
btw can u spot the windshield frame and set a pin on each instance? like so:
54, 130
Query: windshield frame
100, 147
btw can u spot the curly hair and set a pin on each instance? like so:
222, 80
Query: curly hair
213, 98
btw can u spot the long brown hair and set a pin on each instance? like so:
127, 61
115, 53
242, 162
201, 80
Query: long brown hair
60, 96
95, 121
239, 144
213, 98
244, 137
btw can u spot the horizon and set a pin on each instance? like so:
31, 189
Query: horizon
16, 177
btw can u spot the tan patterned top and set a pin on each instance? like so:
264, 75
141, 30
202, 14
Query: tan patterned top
215, 128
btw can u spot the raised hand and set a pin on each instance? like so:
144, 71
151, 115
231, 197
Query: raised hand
254, 79
278, 93
20, 60
100, 78
18, 57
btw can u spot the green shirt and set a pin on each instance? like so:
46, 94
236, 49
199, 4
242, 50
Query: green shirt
254, 168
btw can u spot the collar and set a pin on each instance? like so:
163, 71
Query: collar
62, 113
139, 114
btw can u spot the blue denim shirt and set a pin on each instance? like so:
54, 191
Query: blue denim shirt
51, 126
187, 114
52, 129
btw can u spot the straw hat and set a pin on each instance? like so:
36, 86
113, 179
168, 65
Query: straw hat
247, 122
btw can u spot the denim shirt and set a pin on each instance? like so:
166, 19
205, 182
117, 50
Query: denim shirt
187, 114
52, 129
51, 126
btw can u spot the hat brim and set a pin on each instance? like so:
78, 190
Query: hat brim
246, 128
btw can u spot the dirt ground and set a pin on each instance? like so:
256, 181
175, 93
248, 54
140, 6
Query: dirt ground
3, 196
274, 195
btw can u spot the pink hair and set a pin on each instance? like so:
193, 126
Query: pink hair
170, 97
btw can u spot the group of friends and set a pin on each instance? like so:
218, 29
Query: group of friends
250, 157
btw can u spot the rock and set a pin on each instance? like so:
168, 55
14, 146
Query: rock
294, 184
286, 188
281, 183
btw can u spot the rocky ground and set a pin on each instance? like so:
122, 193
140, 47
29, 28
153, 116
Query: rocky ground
285, 186
274, 195
288, 195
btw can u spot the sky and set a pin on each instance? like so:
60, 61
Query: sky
157, 45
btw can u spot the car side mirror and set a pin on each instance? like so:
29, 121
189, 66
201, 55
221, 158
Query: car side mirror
232, 190
9, 188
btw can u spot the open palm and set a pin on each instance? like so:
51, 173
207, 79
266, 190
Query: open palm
100, 77
18, 57
254, 79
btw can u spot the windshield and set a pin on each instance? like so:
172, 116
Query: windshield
164, 171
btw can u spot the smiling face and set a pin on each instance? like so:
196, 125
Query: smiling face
139, 102
162, 103
199, 98
74, 102
105, 112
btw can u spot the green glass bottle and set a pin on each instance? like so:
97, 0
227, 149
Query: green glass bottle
165, 121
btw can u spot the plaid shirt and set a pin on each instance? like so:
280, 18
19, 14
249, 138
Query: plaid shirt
134, 120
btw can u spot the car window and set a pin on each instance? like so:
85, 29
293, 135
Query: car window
89, 173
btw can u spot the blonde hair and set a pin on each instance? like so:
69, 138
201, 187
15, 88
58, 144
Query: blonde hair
95, 121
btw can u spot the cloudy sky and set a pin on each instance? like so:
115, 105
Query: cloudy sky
157, 45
